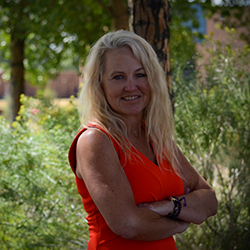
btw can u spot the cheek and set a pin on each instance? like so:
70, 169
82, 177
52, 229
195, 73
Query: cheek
110, 94
109, 99
106, 90
112, 91
147, 90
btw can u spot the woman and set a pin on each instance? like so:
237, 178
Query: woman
130, 174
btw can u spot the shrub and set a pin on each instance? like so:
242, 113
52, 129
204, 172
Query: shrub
40, 206
212, 124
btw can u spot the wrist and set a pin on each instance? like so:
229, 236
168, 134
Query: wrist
177, 207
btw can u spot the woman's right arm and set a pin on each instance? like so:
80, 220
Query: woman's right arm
98, 165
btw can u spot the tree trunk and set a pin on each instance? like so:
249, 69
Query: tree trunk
150, 19
17, 74
119, 14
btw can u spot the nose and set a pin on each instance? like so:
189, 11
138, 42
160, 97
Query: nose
130, 85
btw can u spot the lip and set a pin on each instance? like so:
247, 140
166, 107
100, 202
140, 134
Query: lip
131, 98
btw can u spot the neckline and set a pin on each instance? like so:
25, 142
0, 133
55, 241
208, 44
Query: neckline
138, 151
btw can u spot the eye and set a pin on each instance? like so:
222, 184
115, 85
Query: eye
118, 77
141, 75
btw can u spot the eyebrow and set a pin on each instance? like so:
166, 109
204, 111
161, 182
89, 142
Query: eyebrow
140, 69
121, 72
116, 72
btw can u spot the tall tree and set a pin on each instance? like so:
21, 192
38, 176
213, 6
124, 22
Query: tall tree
13, 18
17, 73
41, 31
151, 20
118, 11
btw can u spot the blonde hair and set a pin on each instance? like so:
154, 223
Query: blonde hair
94, 108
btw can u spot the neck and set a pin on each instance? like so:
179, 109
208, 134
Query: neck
135, 129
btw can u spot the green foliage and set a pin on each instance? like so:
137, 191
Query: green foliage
55, 31
232, 14
212, 122
182, 45
182, 39
39, 203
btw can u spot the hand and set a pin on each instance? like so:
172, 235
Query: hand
163, 208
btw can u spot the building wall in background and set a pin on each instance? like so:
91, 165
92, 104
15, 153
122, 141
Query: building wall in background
65, 85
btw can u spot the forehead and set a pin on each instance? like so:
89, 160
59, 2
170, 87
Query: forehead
112, 53
120, 57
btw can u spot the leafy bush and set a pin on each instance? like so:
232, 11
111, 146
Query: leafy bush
40, 206
212, 124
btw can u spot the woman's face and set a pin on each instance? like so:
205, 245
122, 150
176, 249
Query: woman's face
125, 83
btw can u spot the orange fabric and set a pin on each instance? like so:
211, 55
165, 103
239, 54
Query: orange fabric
149, 183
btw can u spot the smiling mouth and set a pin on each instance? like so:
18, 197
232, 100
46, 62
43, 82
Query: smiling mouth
130, 98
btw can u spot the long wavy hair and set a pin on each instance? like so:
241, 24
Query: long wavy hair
93, 106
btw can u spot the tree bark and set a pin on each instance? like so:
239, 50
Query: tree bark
119, 15
150, 19
17, 74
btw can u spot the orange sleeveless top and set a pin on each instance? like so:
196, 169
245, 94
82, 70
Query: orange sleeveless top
149, 183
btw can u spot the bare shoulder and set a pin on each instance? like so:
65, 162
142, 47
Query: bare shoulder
93, 148
93, 135
94, 138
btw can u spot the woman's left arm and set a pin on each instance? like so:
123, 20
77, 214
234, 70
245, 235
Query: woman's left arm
201, 201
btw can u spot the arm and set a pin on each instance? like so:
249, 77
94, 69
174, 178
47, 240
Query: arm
201, 200
98, 165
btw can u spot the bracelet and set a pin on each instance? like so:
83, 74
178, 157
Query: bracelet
175, 210
177, 206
